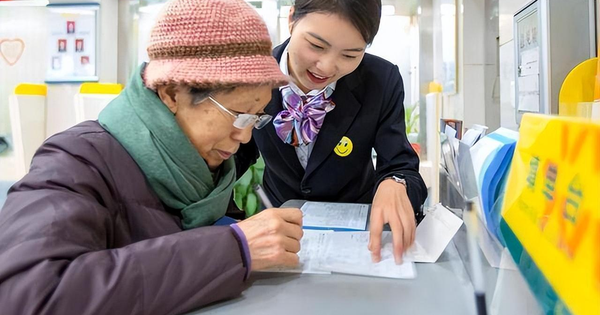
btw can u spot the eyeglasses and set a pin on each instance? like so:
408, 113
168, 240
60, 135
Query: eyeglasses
242, 121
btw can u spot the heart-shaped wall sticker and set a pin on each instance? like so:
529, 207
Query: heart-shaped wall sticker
11, 50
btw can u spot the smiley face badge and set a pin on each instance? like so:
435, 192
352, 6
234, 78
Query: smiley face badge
344, 147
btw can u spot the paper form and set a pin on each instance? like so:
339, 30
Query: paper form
530, 62
347, 252
529, 93
327, 215
311, 247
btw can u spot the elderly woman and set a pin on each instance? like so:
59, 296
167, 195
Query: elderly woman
115, 216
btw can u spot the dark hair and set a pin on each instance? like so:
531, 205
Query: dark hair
363, 14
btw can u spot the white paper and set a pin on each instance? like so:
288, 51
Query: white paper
347, 252
480, 127
450, 132
450, 163
330, 215
312, 246
530, 62
471, 136
433, 234
529, 93
529, 84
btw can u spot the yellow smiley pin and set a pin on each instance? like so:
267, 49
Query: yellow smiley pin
344, 147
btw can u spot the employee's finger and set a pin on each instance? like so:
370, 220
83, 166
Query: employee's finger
376, 227
408, 225
408, 222
397, 238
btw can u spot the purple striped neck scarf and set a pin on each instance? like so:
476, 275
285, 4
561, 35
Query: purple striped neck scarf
302, 117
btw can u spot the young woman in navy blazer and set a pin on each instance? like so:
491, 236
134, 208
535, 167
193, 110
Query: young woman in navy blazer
326, 56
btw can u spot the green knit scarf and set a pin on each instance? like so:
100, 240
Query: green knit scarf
147, 129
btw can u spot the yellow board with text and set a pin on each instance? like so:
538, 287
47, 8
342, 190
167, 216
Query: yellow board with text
552, 207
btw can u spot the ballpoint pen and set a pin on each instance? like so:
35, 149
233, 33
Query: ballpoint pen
476, 271
262, 196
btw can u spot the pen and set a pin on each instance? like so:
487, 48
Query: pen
263, 197
476, 272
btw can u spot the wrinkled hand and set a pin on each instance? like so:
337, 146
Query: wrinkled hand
273, 237
391, 205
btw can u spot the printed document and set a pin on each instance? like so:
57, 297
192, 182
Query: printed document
347, 252
335, 216
311, 246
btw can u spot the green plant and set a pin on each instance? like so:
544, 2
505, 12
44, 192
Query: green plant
243, 191
411, 115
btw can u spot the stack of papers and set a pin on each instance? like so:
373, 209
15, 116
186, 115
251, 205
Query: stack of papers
335, 216
473, 134
324, 251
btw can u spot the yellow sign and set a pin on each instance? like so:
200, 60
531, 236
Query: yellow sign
552, 206
344, 147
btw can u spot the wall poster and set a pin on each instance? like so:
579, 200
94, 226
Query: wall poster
72, 43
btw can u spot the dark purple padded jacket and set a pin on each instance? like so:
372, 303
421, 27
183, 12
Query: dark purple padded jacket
83, 233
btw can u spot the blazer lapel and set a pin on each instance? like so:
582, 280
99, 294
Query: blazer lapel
336, 123
287, 152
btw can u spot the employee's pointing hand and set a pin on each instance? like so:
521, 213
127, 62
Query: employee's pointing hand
391, 205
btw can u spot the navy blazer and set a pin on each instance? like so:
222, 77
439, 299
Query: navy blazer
370, 112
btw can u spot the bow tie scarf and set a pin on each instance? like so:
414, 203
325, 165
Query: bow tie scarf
302, 117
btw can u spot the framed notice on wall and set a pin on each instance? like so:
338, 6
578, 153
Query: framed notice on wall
527, 42
72, 43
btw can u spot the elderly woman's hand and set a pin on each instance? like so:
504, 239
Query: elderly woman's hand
273, 237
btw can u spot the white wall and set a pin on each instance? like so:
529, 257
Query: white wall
480, 95
477, 100
453, 104
31, 65
393, 42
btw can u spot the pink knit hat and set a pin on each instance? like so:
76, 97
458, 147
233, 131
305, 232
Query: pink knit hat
211, 44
